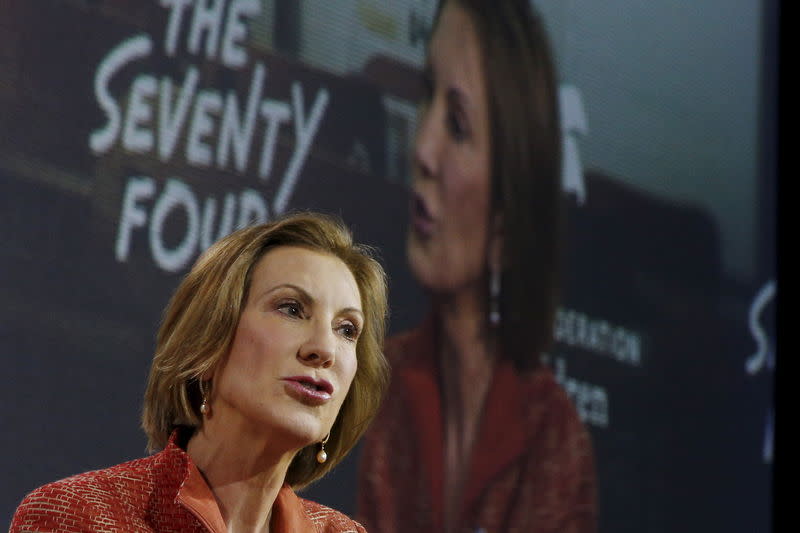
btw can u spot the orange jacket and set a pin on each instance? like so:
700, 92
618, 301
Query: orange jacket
161, 493
532, 468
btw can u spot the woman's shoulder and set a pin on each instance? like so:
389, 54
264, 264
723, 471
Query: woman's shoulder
550, 395
87, 483
553, 416
329, 520
75, 502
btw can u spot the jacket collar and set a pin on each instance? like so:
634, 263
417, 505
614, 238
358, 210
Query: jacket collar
178, 474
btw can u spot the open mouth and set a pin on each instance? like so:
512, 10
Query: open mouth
420, 209
421, 217
309, 391
312, 385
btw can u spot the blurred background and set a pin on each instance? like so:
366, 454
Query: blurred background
133, 134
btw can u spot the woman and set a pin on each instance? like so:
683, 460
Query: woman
475, 434
268, 368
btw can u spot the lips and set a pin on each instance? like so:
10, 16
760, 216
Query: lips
309, 390
422, 220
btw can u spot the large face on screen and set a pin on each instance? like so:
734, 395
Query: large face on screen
293, 357
447, 241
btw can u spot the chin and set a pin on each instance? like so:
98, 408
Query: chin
420, 264
297, 429
305, 429
433, 276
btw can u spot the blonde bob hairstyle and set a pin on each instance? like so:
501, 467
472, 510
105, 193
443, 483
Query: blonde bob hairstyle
200, 322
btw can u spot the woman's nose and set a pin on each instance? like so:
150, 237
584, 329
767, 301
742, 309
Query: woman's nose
426, 143
319, 349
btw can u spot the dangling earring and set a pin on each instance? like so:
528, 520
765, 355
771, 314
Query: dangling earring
322, 455
205, 409
494, 297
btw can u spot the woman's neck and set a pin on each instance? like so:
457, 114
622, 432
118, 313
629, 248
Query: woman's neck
463, 341
244, 474
466, 359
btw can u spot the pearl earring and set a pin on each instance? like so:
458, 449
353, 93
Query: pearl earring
205, 409
322, 455
494, 297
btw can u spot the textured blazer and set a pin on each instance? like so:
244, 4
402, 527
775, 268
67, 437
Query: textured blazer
532, 466
164, 492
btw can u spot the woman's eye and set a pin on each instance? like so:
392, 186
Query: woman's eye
291, 309
349, 331
455, 127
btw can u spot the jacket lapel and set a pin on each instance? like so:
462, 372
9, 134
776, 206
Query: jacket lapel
502, 433
288, 513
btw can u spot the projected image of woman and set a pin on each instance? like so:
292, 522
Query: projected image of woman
475, 433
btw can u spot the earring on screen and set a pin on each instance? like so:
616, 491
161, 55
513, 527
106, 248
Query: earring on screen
494, 297
322, 455
205, 409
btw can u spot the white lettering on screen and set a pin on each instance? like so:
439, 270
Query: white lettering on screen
235, 131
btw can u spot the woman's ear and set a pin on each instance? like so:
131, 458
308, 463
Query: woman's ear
208, 375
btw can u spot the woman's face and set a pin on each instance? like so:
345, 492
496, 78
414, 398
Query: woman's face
447, 241
293, 357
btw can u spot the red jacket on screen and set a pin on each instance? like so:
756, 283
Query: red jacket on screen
532, 469
161, 493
